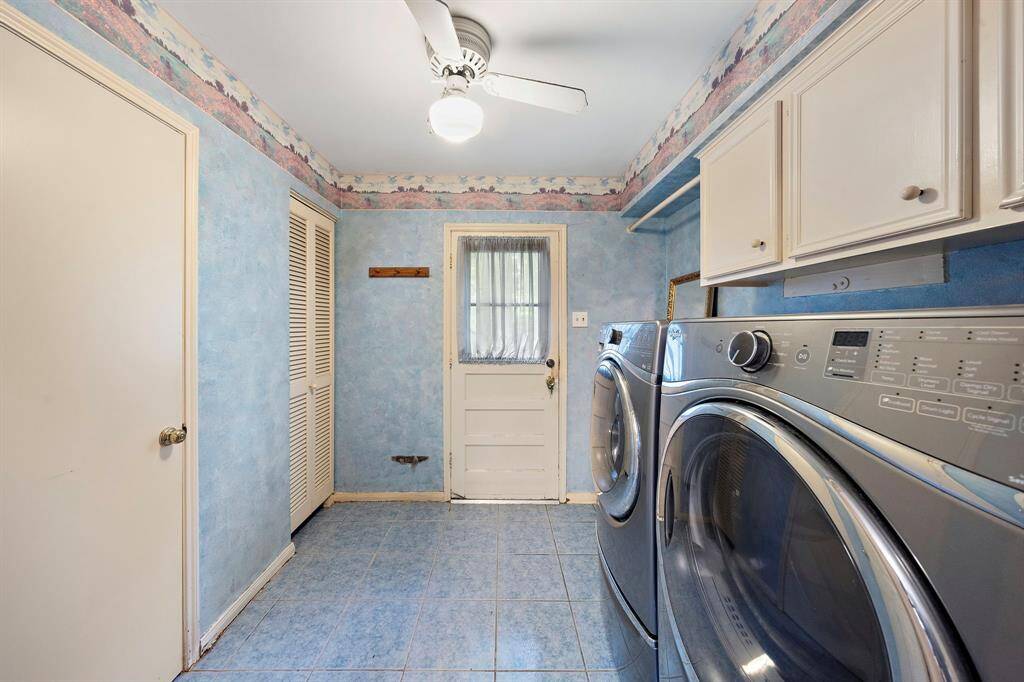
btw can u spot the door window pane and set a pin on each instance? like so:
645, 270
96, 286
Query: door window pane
504, 288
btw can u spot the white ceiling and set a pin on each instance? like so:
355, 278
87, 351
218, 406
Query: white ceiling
351, 76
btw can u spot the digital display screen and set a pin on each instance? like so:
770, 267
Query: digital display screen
850, 339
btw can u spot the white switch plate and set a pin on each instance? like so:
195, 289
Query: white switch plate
579, 319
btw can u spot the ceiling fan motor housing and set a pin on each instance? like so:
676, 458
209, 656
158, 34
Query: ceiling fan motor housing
476, 51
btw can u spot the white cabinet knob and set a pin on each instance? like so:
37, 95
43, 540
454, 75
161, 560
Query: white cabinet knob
756, 244
911, 192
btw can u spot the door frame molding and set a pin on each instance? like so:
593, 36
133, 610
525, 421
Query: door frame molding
449, 334
34, 33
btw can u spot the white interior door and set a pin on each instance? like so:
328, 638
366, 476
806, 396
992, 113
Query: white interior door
92, 314
505, 421
310, 359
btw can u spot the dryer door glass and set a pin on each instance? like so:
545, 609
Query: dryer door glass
614, 442
759, 582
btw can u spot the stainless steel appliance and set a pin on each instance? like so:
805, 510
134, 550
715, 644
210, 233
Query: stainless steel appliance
623, 447
840, 497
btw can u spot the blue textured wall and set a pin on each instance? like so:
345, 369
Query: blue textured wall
984, 275
390, 335
243, 336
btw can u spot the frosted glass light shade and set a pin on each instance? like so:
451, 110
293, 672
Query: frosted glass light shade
456, 118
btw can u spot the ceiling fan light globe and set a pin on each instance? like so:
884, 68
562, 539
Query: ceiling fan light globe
456, 118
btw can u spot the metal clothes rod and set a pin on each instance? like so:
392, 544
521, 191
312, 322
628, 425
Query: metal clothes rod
668, 200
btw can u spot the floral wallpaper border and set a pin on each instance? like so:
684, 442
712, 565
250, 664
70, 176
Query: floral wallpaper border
770, 28
157, 41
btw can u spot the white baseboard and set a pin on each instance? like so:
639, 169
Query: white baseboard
438, 496
211, 635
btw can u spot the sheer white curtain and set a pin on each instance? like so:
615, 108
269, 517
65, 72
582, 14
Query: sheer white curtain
504, 286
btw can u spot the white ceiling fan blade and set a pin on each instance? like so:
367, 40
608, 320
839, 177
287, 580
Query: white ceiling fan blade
436, 23
537, 93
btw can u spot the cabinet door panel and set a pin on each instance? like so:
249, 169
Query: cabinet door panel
1011, 99
740, 194
875, 119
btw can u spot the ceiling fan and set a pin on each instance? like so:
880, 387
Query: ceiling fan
459, 49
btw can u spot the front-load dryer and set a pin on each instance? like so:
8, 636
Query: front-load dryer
842, 497
623, 447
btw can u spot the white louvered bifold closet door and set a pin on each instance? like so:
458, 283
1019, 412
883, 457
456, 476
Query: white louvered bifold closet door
310, 359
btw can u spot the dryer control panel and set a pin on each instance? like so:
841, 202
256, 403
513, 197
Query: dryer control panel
640, 343
949, 386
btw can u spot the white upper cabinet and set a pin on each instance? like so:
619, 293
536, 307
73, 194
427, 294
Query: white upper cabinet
741, 194
877, 128
1011, 96
901, 132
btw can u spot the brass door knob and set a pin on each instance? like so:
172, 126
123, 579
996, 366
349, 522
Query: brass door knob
173, 436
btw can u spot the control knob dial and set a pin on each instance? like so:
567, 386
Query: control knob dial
750, 350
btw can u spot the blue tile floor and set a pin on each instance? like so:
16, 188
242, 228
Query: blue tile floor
427, 592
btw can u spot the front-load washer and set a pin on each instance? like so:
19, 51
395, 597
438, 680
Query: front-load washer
623, 448
842, 497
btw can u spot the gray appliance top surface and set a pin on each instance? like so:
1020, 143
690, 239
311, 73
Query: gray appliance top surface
948, 383
640, 343
915, 313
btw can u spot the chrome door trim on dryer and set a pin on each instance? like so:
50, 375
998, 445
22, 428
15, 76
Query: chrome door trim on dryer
982, 493
623, 604
617, 491
918, 644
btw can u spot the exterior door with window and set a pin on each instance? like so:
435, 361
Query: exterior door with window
505, 323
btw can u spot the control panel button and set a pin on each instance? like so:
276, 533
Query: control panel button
930, 408
896, 402
990, 418
1015, 393
978, 389
803, 356
889, 378
750, 350
927, 383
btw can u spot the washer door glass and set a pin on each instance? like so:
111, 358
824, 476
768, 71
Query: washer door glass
614, 442
759, 581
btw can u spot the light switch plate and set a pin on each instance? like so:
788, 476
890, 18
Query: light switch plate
579, 319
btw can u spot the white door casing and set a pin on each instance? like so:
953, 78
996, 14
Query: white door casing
98, 209
504, 430
310, 358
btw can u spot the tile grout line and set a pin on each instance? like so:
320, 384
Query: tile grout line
497, 568
348, 603
572, 612
231, 656
422, 602
445, 523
